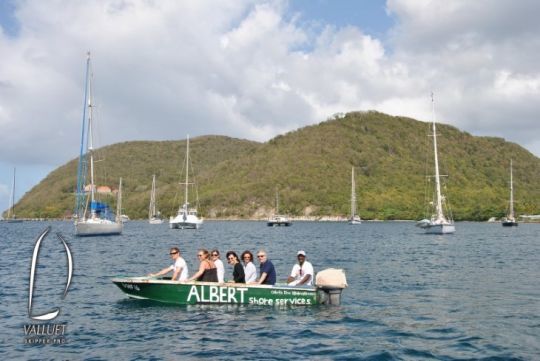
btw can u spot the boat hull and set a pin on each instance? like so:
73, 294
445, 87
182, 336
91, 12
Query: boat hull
278, 224
213, 293
509, 224
440, 228
155, 221
189, 222
105, 228
12, 220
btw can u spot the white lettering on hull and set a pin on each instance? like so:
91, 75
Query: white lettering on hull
279, 301
216, 294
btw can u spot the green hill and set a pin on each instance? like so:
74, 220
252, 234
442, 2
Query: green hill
311, 167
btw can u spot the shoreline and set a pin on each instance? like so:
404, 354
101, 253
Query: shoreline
329, 219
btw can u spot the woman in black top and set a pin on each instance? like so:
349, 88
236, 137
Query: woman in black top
207, 270
238, 270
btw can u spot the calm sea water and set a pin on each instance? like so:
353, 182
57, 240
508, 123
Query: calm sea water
471, 295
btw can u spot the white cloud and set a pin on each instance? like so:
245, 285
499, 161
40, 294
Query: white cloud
481, 58
4, 197
248, 69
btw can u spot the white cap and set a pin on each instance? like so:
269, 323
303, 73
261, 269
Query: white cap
301, 253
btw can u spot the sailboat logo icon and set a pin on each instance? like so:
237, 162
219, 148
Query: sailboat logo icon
54, 313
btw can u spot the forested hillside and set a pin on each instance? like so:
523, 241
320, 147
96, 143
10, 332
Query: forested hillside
311, 168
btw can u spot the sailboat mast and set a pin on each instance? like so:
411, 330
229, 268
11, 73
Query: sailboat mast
119, 203
353, 195
11, 209
277, 202
152, 210
91, 135
511, 213
439, 209
187, 173
81, 168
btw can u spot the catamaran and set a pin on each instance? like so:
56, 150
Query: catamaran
92, 217
186, 218
277, 220
355, 218
154, 217
11, 218
439, 222
510, 219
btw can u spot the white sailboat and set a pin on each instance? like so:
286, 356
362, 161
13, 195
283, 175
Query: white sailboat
439, 223
277, 220
355, 218
510, 219
92, 217
186, 218
154, 217
11, 217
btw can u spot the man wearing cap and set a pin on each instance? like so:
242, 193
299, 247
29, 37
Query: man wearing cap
302, 272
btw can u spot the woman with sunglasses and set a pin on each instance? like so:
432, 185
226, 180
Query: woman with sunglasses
207, 269
179, 268
250, 271
219, 265
238, 270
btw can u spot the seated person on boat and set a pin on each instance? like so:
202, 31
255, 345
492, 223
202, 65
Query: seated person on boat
267, 270
219, 265
238, 270
207, 269
302, 272
179, 268
250, 271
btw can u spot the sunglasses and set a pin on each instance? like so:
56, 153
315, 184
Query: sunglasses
231, 258
200, 255
215, 255
173, 253
261, 256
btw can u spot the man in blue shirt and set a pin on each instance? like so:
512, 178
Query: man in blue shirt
267, 270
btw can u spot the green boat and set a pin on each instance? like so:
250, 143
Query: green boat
190, 293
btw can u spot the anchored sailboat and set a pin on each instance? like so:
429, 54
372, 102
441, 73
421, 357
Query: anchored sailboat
439, 223
355, 218
154, 217
92, 217
510, 219
276, 219
11, 218
186, 216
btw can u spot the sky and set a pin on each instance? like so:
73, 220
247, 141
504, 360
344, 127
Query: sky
255, 69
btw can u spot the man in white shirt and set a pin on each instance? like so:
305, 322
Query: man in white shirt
219, 265
179, 268
302, 272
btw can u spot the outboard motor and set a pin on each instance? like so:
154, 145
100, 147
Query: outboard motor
330, 283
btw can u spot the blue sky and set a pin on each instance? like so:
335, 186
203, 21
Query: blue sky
8, 20
370, 16
255, 69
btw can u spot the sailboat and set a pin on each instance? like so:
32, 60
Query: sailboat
11, 218
92, 217
510, 219
154, 217
277, 220
439, 223
186, 218
355, 218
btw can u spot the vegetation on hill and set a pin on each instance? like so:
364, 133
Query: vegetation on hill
311, 168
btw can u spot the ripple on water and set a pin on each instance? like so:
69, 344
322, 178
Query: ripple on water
411, 296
